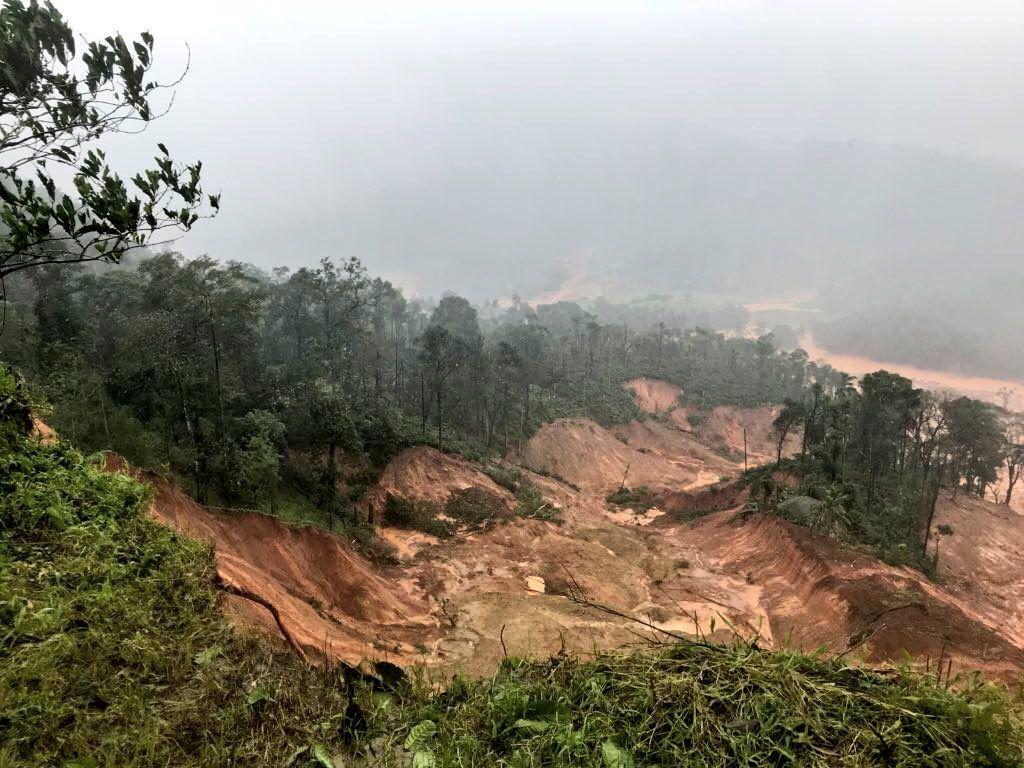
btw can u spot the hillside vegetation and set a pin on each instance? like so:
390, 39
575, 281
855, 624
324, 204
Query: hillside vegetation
115, 654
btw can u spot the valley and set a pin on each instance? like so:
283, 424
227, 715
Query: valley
698, 563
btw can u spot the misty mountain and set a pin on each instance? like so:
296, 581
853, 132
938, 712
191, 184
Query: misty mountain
671, 208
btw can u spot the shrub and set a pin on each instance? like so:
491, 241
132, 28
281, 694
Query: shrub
530, 503
508, 478
639, 499
403, 513
114, 650
475, 508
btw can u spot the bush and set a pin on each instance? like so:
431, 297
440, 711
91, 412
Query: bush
475, 508
530, 503
403, 513
638, 499
508, 478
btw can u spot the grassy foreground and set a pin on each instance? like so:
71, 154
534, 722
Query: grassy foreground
113, 652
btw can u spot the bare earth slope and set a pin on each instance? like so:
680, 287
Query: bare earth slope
298, 582
466, 601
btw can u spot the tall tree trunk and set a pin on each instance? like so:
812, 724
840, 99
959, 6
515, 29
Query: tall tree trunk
1013, 473
931, 509
440, 418
190, 428
216, 373
332, 482
423, 406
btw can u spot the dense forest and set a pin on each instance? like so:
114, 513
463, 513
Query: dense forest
252, 386
289, 392
876, 455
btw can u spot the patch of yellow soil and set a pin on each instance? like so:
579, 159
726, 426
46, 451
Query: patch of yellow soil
654, 395
42, 432
589, 456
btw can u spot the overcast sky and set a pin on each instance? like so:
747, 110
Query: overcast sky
296, 109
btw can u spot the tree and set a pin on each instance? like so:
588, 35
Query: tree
256, 460
974, 443
53, 108
333, 429
790, 417
441, 354
1014, 449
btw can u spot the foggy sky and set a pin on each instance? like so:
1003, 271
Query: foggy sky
377, 129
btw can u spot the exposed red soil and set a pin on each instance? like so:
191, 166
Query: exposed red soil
329, 601
461, 603
429, 476
721, 427
814, 594
981, 561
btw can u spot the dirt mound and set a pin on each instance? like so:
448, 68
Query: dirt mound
720, 428
980, 560
464, 601
667, 441
723, 427
589, 456
427, 475
654, 395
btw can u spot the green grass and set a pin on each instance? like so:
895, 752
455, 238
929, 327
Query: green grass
114, 652
697, 705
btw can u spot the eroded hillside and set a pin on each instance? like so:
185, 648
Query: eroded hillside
699, 562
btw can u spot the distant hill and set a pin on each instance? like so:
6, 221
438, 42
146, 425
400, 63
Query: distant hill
670, 208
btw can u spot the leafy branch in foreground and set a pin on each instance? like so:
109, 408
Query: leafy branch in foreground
52, 108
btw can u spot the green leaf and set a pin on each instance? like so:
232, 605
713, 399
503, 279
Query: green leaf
322, 756
258, 696
205, 657
420, 734
423, 759
531, 726
615, 756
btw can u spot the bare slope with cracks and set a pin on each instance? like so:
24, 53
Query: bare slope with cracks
697, 563
300, 583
